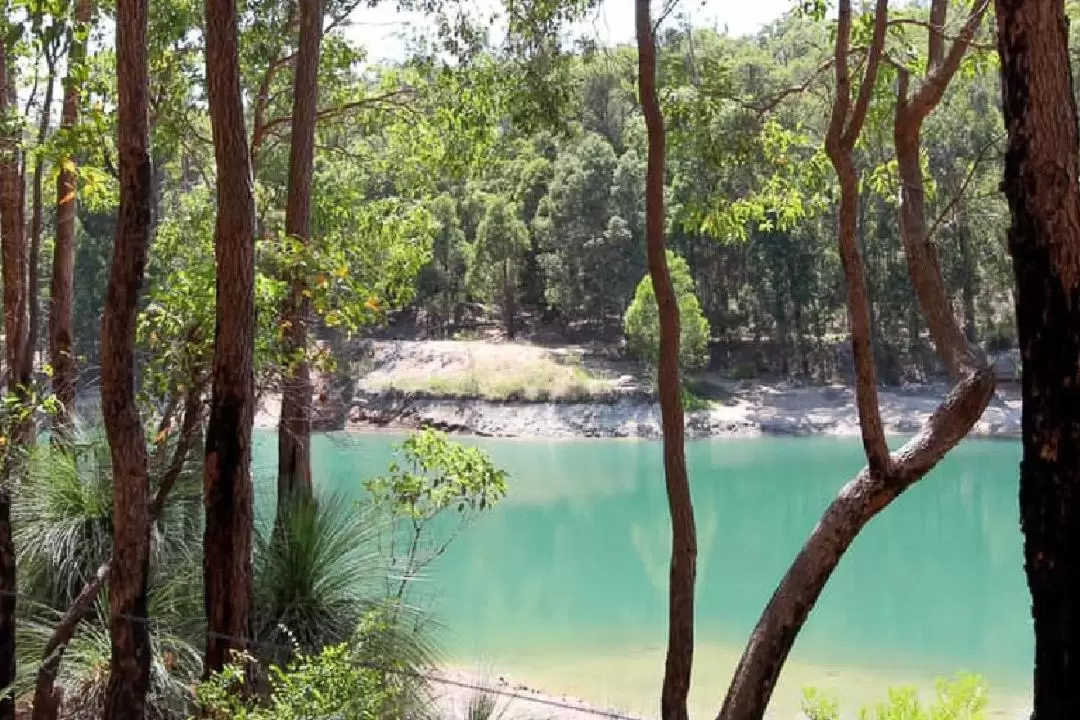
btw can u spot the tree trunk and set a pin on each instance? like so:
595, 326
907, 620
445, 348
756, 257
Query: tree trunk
509, 300
680, 646
62, 285
294, 430
967, 287
13, 251
33, 292
886, 476
129, 678
229, 496
1044, 240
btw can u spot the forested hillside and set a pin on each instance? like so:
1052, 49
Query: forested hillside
430, 195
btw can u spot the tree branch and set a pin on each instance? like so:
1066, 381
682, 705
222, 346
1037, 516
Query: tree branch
929, 94
327, 113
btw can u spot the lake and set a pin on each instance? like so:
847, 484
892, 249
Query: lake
563, 586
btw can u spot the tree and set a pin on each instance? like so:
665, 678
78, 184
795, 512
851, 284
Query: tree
680, 646
228, 490
886, 475
440, 285
501, 243
13, 257
294, 430
62, 285
1044, 239
642, 321
129, 668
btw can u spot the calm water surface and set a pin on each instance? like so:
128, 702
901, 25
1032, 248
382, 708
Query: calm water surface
563, 585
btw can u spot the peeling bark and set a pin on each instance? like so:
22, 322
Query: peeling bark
129, 678
680, 646
227, 486
1044, 240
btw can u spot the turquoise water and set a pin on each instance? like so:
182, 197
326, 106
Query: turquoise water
564, 584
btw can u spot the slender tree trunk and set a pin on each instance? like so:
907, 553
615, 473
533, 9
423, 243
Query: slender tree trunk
13, 252
129, 678
886, 476
294, 431
1044, 240
33, 291
62, 285
680, 646
967, 287
229, 496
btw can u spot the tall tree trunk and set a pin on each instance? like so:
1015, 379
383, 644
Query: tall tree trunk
33, 292
294, 430
13, 252
1044, 240
129, 678
886, 476
680, 646
229, 496
62, 285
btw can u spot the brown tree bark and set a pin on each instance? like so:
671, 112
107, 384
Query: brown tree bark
294, 430
228, 492
683, 571
1044, 240
886, 476
129, 678
912, 109
62, 284
13, 256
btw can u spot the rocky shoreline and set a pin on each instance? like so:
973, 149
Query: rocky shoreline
524, 391
753, 411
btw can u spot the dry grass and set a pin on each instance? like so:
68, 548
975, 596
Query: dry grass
502, 379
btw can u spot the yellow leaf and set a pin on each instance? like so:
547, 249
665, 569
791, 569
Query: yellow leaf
372, 304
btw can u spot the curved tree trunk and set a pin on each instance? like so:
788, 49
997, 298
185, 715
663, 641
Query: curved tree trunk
886, 476
680, 647
228, 492
1044, 240
129, 678
294, 430
62, 284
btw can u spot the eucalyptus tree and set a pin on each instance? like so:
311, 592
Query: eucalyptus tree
1044, 238
129, 669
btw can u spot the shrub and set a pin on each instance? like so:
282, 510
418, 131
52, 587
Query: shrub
962, 698
642, 321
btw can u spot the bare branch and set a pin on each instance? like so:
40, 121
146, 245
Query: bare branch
390, 98
979, 157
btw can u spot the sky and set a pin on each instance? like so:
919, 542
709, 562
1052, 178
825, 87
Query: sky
382, 29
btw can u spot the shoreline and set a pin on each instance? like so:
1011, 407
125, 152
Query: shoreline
588, 690
749, 410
